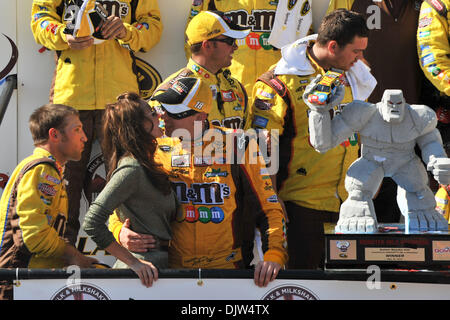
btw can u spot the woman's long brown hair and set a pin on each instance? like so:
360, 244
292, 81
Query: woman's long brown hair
124, 135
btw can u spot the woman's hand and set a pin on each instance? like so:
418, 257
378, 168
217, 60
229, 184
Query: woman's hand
146, 271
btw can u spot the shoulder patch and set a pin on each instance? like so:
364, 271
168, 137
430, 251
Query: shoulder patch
439, 6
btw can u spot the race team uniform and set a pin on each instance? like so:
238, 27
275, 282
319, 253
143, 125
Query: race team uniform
215, 196
32, 224
229, 96
254, 54
433, 43
90, 78
442, 197
305, 177
310, 184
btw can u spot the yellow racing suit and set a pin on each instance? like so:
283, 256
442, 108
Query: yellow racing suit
306, 177
433, 46
442, 197
221, 199
255, 55
32, 224
229, 96
90, 78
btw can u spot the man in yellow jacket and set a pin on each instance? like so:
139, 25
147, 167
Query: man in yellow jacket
433, 43
33, 206
223, 186
212, 39
92, 70
256, 54
311, 184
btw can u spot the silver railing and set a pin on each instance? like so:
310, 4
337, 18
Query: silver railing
8, 88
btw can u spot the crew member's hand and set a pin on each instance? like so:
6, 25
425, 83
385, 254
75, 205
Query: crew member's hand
265, 272
113, 28
146, 271
133, 241
335, 99
80, 42
74, 257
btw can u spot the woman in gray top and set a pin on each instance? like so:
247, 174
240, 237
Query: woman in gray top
137, 189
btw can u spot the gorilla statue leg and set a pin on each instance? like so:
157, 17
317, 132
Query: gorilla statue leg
357, 213
416, 200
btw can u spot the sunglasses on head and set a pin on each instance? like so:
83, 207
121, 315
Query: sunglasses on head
229, 41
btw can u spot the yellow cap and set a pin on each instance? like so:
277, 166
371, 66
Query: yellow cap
210, 24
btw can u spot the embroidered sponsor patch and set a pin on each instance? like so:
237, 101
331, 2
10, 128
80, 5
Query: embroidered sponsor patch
202, 161
228, 96
425, 49
165, 148
51, 178
46, 201
427, 59
216, 173
46, 189
44, 24
261, 122
425, 11
265, 94
434, 70
263, 104
424, 34
425, 22
181, 160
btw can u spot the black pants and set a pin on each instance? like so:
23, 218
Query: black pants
305, 235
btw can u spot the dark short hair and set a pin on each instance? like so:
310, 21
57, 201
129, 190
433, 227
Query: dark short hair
342, 26
46, 117
196, 47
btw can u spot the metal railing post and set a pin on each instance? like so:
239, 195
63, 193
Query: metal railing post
5, 97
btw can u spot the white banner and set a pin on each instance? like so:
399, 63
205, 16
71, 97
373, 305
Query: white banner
226, 289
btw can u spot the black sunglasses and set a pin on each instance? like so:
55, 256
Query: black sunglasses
229, 41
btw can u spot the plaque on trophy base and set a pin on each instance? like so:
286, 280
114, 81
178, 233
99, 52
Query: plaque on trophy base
389, 248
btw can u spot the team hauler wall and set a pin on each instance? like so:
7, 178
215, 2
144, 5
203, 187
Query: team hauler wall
34, 71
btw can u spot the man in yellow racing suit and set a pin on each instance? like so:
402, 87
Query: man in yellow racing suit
310, 184
33, 206
217, 176
209, 63
433, 46
255, 54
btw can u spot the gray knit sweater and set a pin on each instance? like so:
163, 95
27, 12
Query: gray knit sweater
133, 196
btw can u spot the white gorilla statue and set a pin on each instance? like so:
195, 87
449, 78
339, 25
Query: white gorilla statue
389, 131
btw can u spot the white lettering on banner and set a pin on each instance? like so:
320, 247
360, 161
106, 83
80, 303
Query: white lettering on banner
225, 289
81, 292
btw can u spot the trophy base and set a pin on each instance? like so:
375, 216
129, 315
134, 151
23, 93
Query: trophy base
389, 248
